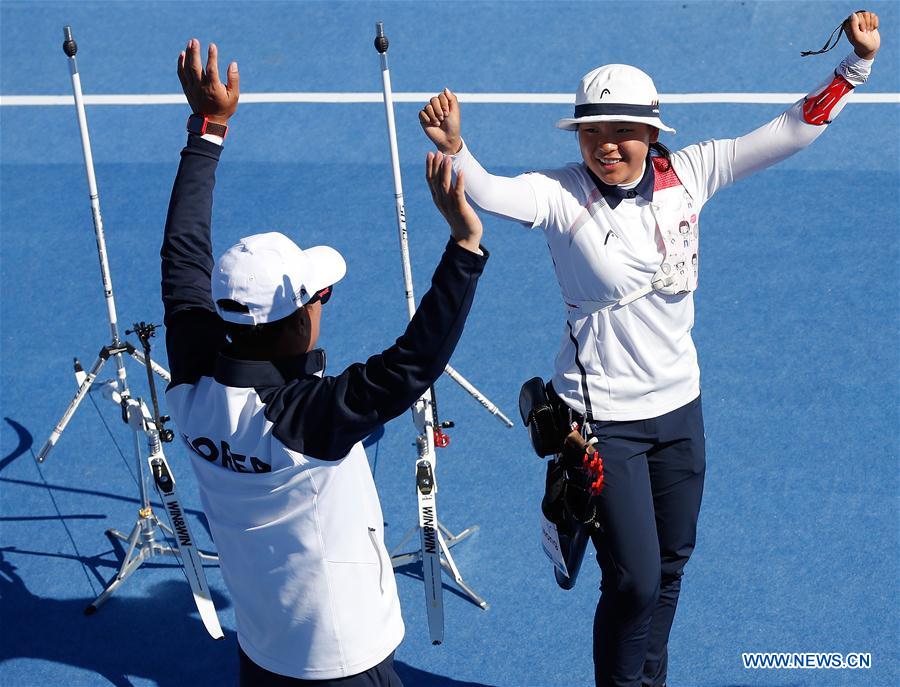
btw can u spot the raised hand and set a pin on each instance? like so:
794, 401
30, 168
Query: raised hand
206, 94
450, 199
440, 121
862, 32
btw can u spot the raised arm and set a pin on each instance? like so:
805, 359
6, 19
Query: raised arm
194, 331
510, 198
716, 164
344, 409
806, 120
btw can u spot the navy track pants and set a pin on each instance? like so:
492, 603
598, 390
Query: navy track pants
382, 675
653, 484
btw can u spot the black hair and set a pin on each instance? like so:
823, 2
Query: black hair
255, 335
661, 151
258, 337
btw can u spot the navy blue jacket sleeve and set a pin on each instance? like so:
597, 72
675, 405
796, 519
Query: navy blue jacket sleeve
194, 332
324, 418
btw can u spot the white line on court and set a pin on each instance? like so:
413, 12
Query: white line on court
485, 98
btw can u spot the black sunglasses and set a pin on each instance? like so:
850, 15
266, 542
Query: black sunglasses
323, 296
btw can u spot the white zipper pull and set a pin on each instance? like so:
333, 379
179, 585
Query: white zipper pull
380, 561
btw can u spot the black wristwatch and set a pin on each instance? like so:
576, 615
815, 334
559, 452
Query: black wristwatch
200, 124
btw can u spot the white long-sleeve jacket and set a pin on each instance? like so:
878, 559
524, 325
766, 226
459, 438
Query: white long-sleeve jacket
637, 361
275, 446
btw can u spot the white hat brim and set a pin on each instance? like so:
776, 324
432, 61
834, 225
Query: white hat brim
571, 123
328, 267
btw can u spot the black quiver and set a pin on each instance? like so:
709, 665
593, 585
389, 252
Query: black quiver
567, 501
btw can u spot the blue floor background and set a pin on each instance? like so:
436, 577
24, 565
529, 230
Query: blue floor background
797, 324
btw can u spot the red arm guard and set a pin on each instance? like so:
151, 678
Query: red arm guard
817, 109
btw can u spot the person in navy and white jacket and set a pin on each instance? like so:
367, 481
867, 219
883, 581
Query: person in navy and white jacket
283, 477
622, 229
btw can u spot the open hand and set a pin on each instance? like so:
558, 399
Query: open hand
440, 121
206, 94
862, 32
450, 199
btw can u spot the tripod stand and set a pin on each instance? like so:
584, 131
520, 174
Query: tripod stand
435, 540
116, 349
446, 540
142, 542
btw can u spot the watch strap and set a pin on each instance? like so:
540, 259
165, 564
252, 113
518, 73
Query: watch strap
200, 125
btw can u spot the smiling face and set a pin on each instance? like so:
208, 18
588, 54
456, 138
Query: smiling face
615, 151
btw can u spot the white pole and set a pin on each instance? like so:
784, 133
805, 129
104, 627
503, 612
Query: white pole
398, 184
423, 409
477, 395
71, 48
401, 222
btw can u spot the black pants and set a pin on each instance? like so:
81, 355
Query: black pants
653, 484
382, 675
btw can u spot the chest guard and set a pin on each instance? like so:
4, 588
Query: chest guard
678, 231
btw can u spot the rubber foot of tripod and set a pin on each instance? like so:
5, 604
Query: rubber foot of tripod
435, 642
90, 610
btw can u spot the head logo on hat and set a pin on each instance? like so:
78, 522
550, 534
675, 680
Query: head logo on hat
636, 99
266, 277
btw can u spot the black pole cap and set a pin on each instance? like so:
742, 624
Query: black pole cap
381, 41
70, 47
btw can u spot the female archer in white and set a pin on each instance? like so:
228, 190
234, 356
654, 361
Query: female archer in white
622, 228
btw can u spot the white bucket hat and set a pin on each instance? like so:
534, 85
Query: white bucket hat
266, 277
615, 93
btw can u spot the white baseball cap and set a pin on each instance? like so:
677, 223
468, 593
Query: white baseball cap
266, 277
615, 93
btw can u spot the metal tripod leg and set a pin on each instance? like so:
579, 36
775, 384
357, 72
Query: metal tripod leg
85, 382
83, 389
447, 540
142, 545
454, 539
158, 369
400, 559
449, 565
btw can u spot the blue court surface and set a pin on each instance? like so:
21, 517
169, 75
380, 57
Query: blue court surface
797, 325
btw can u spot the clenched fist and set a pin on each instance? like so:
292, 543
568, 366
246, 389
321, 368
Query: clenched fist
862, 32
440, 121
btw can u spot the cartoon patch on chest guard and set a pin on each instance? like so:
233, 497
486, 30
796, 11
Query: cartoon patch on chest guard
678, 272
